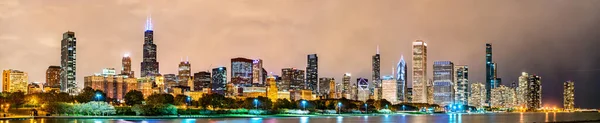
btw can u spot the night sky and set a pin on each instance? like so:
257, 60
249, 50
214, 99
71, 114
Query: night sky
555, 39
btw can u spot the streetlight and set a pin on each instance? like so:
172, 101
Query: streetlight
256, 104
403, 107
304, 104
339, 107
98, 96
366, 108
189, 100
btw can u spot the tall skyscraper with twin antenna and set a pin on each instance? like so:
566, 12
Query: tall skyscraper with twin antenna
376, 75
149, 63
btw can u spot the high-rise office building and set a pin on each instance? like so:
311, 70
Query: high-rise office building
419, 76
219, 80
522, 90
184, 73
388, 88
241, 72
68, 63
376, 64
14, 81
490, 73
170, 81
401, 79
346, 86
292, 79
53, 77
362, 89
430, 91
461, 84
477, 97
258, 74
503, 97
443, 82
324, 87
126, 66
409, 95
332, 89
569, 96
149, 64
312, 73
201, 81
534, 93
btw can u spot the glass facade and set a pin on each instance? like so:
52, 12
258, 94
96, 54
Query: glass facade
219, 80
68, 63
461, 85
312, 74
149, 63
443, 82
401, 77
419, 77
241, 72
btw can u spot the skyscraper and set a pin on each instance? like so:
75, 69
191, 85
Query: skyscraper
257, 73
443, 82
534, 93
312, 73
149, 63
461, 84
490, 73
292, 79
53, 77
569, 96
14, 81
68, 63
362, 89
126, 67
477, 97
388, 88
376, 75
219, 80
184, 73
522, 90
346, 86
201, 80
401, 78
324, 88
503, 97
241, 72
419, 72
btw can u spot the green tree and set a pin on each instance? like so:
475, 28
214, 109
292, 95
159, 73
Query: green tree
180, 99
134, 97
58, 108
282, 104
381, 104
160, 99
88, 94
17, 99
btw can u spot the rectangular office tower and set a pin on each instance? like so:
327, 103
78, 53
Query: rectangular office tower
312, 73
68, 63
491, 78
241, 72
477, 97
569, 96
376, 64
534, 93
325, 88
258, 76
388, 88
443, 82
461, 84
219, 80
419, 77
149, 65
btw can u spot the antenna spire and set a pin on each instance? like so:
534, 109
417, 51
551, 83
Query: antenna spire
377, 49
149, 22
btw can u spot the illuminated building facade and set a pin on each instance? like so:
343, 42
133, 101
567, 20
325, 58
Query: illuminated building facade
346, 86
522, 89
115, 86
126, 67
257, 73
534, 93
409, 94
34, 87
219, 80
201, 81
241, 72
325, 88
292, 79
443, 82
184, 73
430, 91
170, 81
420, 91
145, 86
53, 77
312, 74
68, 63
363, 89
401, 79
569, 96
491, 80
149, 64
14, 81
376, 76
272, 89
477, 97
503, 97
332, 89
389, 89
461, 84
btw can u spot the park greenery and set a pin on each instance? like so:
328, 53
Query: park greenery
92, 102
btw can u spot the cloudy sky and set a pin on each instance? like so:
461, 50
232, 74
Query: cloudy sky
555, 39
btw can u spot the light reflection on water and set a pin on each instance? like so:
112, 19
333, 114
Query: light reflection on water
392, 118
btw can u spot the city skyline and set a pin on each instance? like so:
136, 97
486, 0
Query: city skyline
102, 44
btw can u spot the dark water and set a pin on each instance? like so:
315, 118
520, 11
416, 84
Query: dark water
436, 118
